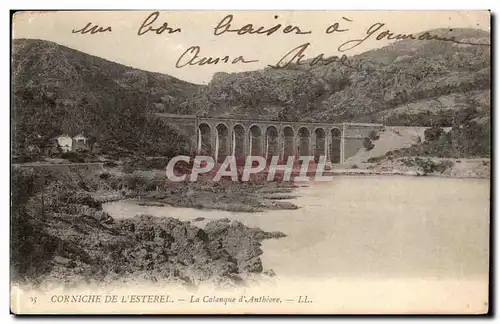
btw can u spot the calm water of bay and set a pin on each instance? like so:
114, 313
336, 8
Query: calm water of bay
368, 226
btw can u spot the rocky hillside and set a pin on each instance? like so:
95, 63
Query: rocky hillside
409, 82
60, 90
67, 76
413, 83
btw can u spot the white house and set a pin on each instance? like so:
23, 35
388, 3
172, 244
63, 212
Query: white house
80, 143
80, 139
65, 142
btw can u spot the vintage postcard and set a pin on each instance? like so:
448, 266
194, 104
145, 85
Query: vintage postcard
250, 162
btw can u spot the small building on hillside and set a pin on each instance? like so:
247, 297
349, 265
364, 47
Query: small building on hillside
65, 143
81, 143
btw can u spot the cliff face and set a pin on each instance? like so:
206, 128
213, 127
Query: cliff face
409, 82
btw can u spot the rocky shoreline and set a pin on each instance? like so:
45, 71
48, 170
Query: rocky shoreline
228, 196
421, 166
57, 219
72, 240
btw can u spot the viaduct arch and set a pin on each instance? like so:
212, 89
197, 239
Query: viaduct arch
221, 137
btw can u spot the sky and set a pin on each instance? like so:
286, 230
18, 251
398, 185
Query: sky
160, 52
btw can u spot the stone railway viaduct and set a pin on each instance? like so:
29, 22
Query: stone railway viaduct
220, 137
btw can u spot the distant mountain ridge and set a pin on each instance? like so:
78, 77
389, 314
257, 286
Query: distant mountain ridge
442, 76
58, 90
57, 68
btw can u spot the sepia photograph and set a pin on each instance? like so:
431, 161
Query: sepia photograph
250, 162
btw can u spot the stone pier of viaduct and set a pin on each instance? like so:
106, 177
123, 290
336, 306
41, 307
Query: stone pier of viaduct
220, 137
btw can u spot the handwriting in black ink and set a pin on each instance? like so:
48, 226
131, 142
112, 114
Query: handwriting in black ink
387, 34
296, 56
335, 27
92, 29
429, 36
146, 26
224, 26
350, 44
190, 57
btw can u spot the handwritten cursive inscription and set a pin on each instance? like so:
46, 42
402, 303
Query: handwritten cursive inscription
350, 44
429, 36
92, 29
377, 31
335, 27
191, 57
387, 34
224, 26
296, 56
146, 26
